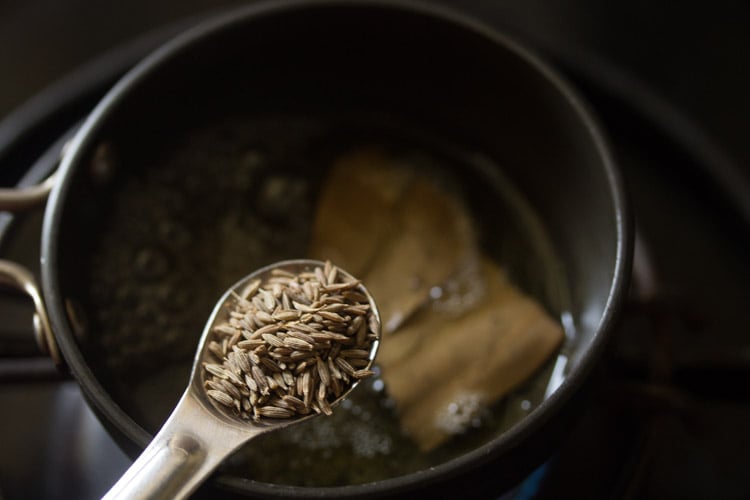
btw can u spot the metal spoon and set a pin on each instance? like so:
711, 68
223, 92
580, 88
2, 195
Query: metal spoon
199, 435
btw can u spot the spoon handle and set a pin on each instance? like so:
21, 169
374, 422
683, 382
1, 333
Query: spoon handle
189, 446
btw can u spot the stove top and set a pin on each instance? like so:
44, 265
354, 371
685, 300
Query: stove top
667, 408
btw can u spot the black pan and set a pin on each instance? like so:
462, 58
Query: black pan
167, 165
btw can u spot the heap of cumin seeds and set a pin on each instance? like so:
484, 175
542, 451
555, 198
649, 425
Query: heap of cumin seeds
292, 345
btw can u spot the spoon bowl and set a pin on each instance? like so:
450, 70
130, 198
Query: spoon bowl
200, 433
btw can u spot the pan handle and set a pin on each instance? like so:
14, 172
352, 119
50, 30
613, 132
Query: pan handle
17, 199
19, 278
21, 198
16, 276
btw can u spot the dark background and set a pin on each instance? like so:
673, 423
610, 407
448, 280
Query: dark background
692, 55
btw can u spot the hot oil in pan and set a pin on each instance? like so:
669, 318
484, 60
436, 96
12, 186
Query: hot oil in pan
236, 196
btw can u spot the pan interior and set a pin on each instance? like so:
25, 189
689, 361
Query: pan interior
221, 150
176, 226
